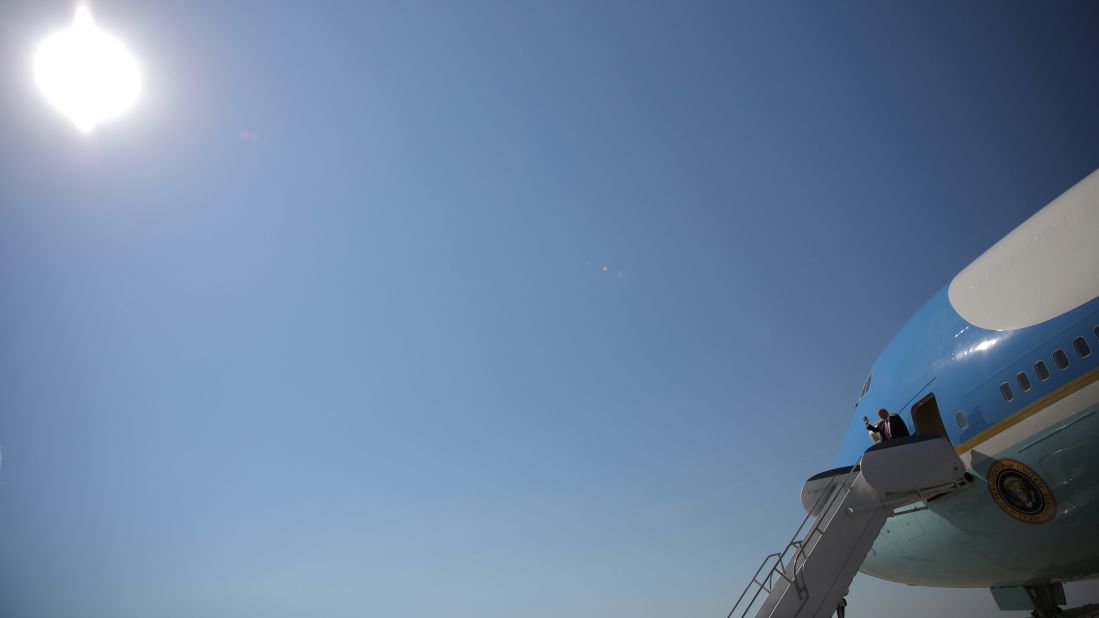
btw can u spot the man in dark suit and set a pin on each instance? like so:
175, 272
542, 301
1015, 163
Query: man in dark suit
889, 427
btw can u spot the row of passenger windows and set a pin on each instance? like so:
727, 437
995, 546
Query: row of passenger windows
1060, 359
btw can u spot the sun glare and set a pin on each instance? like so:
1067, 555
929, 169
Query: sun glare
86, 74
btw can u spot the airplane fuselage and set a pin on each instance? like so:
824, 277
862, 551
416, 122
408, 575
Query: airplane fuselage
1004, 362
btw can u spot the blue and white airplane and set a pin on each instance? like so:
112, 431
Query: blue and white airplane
1004, 363
997, 377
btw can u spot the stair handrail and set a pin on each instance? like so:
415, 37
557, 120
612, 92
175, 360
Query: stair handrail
824, 502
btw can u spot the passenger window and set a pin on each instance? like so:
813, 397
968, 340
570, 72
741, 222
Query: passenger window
963, 422
1083, 350
1042, 371
1060, 359
1024, 381
1005, 390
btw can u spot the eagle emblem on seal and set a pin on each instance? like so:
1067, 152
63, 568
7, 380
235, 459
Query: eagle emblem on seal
1020, 492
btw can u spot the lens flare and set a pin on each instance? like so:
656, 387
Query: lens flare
86, 74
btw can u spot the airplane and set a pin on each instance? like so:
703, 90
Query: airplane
997, 376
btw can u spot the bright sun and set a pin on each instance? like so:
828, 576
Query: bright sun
86, 74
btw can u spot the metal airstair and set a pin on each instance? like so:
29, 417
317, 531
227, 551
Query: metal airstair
847, 508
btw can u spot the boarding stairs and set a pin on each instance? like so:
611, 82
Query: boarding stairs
847, 508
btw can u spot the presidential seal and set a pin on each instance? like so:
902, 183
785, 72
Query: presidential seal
1020, 492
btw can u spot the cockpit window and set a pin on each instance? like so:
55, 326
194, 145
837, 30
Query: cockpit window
865, 386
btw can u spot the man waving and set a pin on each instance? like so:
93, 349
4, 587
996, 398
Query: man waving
890, 426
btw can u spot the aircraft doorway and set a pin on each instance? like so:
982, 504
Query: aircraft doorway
927, 419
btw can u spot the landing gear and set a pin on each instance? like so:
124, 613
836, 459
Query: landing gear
1046, 599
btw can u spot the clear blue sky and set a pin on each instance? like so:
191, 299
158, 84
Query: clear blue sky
487, 309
